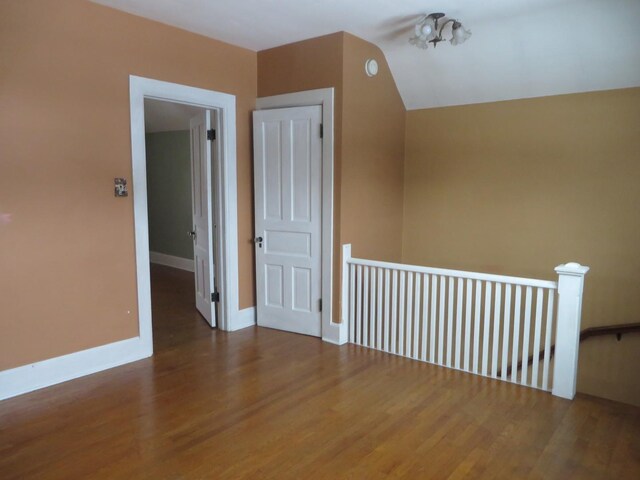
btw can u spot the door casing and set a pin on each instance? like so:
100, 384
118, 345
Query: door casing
331, 331
226, 236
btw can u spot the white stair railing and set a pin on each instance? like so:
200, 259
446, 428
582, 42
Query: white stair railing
476, 322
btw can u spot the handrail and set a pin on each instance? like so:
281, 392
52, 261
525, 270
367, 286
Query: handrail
527, 282
617, 330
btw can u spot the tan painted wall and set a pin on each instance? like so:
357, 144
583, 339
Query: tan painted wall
369, 137
67, 264
519, 187
373, 116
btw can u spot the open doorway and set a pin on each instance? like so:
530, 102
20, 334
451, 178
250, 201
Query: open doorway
220, 187
180, 149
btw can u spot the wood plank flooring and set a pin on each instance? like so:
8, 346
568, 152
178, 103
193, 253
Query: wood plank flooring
262, 404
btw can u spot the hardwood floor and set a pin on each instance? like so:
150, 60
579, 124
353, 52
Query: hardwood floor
261, 403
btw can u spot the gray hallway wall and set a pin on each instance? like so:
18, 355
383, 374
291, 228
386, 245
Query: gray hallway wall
169, 193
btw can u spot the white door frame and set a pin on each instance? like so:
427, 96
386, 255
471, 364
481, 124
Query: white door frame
226, 235
331, 332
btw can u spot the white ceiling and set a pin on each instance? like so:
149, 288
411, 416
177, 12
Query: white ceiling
160, 116
519, 48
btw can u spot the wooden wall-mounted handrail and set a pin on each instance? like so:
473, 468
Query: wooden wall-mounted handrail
617, 330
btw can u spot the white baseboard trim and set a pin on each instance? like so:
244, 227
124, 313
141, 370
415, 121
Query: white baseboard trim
28, 378
333, 341
245, 318
336, 333
171, 261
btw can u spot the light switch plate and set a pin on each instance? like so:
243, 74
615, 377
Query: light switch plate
120, 188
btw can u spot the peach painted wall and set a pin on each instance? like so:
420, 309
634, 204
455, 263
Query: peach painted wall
519, 187
67, 262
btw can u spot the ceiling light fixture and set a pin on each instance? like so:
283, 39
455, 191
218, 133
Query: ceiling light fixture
427, 31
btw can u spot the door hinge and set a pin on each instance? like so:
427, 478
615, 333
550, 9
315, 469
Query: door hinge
211, 134
320, 304
215, 297
321, 131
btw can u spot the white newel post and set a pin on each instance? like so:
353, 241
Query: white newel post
344, 297
565, 370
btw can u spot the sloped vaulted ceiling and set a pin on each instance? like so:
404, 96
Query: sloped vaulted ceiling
519, 48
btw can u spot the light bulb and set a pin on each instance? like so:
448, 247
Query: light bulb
460, 35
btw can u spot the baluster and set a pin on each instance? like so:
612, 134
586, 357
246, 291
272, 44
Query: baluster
409, 317
387, 311
425, 317
372, 310
359, 307
476, 326
416, 318
449, 332
352, 303
441, 322
394, 313
458, 323
547, 339
496, 330
486, 324
467, 324
432, 319
379, 312
516, 334
401, 314
536, 339
505, 333
525, 338
365, 308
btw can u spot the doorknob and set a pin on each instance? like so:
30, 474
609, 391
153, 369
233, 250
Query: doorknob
192, 234
258, 240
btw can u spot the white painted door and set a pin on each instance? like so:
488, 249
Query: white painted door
288, 210
202, 233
